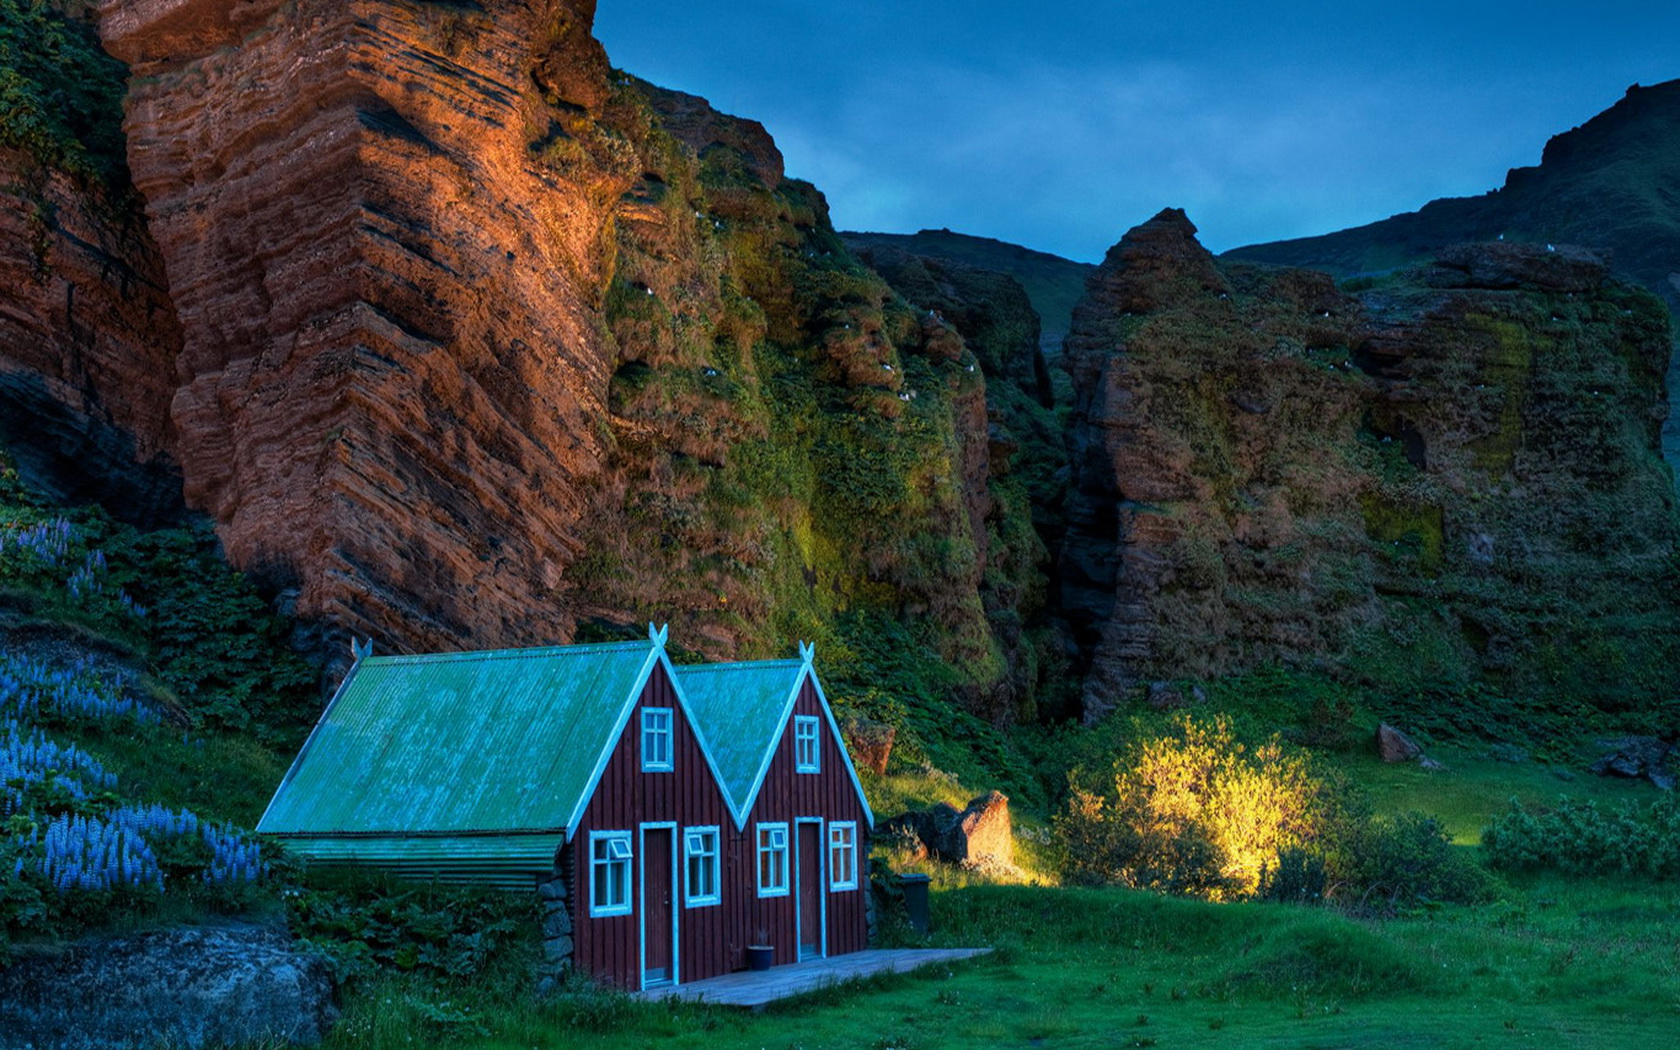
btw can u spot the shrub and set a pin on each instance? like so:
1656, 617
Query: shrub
1578, 838
1409, 859
1191, 811
60, 92
363, 924
1298, 877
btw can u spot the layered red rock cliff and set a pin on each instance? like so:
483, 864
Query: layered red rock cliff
88, 342
480, 341
391, 374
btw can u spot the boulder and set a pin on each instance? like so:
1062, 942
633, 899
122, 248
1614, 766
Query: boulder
981, 832
1395, 746
1637, 757
180, 988
869, 742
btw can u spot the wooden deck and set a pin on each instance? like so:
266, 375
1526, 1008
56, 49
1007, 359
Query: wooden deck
756, 990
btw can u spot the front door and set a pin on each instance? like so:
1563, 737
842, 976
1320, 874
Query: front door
659, 915
810, 904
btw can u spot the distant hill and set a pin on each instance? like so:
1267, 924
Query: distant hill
1053, 283
1612, 183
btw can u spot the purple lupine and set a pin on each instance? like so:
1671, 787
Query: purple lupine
47, 542
90, 854
31, 688
30, 758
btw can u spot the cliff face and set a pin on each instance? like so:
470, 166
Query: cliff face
87, 344
390, 374
1612, 184
1025, 470
481, 341
87, 332
1450, 479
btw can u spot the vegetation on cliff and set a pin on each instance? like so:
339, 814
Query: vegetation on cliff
60, 93
1445, 490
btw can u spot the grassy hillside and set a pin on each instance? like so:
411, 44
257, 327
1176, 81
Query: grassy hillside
1054, 284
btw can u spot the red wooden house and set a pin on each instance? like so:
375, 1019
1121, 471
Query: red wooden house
799, 860
669, 817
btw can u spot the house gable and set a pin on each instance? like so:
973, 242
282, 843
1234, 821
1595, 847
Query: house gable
749, 708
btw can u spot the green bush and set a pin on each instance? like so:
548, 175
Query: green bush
1196, 810
1409, 859
1578, 838
365, 925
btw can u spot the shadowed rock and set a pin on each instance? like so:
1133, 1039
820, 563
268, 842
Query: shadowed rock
184, 988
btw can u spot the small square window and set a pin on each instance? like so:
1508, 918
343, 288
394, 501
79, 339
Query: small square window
772, 860
609, 873
700, 867
807, 756
656, 740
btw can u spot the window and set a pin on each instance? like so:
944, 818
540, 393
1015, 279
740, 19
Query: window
700, 867
772, 860
842, 856
806, 757
656, 739
609, 873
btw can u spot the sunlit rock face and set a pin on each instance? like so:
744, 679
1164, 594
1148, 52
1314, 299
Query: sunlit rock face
480, 341
390, 369
1450, 477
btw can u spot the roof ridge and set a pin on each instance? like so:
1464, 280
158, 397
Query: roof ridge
738, 664
511, 654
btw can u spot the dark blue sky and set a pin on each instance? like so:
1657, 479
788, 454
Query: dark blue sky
1059, 125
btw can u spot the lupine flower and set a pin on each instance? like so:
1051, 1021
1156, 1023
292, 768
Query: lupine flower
31, 688
29, 758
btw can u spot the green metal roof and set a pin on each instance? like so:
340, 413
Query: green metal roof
741, 708
463, 743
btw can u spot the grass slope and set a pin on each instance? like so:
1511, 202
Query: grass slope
1561, 964
1054, 284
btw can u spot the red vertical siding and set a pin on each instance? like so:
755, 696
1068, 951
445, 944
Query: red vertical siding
788, 796
712, 938
610, 948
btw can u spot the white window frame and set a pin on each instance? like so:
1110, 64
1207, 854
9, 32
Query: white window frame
711, 861
667, 735
807, 732
847, 848
778, 852
601, 855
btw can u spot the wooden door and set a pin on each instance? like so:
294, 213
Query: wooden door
810, 904
659, 914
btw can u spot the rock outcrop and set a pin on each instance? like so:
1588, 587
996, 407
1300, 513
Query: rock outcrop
1395, 746
88, 343
480, 341
1450, 477
391, 375
979, 835
189, 988
1613, 184
1638, 758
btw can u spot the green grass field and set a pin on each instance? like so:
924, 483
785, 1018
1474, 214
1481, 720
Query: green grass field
1556, 964
1553, 961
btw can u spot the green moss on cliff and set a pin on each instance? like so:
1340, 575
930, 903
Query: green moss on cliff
60, 93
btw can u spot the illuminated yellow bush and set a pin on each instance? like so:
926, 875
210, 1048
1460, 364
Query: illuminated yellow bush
1191, 811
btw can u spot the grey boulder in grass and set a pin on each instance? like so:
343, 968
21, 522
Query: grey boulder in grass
184, 988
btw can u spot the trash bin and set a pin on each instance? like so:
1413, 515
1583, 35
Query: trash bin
916, 901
